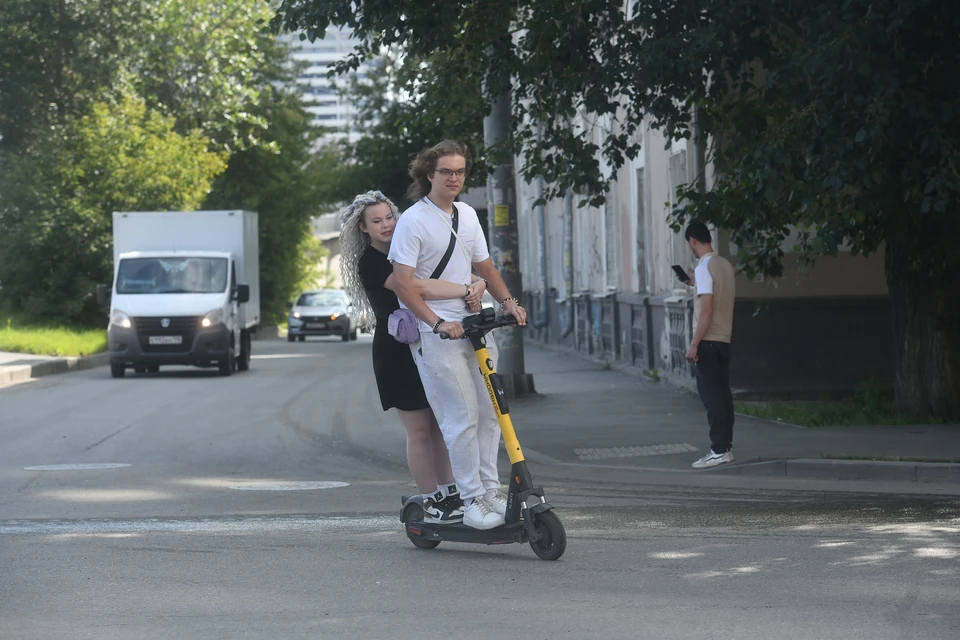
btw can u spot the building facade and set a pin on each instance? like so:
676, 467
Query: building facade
608, 290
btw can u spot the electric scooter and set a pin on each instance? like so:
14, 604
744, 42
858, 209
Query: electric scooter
529, 517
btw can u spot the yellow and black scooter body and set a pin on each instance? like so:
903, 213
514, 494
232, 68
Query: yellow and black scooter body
529, 518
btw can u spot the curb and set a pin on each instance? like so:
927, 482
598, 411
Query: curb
941, 472
19, 373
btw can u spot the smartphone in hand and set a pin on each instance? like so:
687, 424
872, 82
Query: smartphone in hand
681, 274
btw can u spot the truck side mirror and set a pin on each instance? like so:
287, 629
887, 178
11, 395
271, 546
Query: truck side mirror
103, 294
243, 293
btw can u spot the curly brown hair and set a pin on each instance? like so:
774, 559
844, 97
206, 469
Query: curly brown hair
426, 163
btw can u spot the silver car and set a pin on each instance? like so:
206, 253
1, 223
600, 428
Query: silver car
323, 312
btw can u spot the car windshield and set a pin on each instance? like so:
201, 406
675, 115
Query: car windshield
323, 299
172, 275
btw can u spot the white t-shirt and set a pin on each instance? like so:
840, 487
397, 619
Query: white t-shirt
703, 277
421, 238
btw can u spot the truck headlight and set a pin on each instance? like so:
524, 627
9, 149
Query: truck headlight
120, 319
212, 318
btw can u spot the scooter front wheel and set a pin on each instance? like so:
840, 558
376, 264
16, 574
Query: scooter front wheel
413, 515
553, 537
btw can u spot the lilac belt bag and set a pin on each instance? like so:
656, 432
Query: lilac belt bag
403, 326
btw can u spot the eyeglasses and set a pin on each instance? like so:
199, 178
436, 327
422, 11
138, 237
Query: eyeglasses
446, 173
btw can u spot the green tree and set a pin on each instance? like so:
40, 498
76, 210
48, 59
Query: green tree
836, 119
286, 183
206, 62
57, 57
56, 201
394, 124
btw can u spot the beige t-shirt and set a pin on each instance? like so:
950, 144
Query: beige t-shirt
714, 275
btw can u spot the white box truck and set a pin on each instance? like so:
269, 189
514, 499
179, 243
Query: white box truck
186, 290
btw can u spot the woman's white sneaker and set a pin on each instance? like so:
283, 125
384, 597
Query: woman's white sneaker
477, 513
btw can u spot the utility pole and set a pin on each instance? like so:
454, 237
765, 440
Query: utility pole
504, 247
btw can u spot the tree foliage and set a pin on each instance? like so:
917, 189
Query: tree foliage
287, 187
401, 107
835, 117
123, 105
206, 63
56, 58
56, 201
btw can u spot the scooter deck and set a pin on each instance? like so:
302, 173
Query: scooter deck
462, 533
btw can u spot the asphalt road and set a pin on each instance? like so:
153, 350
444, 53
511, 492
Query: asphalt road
206, 530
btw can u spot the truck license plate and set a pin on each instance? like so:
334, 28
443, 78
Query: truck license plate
166, 339
316, 325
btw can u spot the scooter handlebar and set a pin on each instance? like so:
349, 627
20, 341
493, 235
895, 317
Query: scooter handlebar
483, 323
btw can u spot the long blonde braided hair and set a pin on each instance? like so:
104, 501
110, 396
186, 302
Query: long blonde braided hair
353, 242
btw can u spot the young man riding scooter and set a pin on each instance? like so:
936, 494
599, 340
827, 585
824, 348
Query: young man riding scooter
453, 384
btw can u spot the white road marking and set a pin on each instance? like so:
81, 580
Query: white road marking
634, 452
289, 486
115, 528
77, 467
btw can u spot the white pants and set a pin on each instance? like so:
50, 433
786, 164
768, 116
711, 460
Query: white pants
458, 396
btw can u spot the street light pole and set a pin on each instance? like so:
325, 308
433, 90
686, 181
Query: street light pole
504, 245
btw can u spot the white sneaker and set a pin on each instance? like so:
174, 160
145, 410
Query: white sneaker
480, 515
713, 459
498, 502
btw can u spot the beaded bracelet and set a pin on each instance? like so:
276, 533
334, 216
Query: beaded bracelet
506, 300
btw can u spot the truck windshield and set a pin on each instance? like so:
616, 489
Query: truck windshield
172, 275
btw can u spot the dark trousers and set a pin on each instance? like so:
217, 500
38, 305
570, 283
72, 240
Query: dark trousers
713, 385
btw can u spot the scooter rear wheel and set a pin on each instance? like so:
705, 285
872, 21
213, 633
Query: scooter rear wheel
553, 540
414, 516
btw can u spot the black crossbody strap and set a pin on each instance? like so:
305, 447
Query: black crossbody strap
453, 242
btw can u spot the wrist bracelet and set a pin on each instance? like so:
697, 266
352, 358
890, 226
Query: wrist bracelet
468, 290
436, 327
506, 300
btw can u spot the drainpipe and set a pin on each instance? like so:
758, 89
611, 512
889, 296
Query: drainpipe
699, 152
568, 260
543, 316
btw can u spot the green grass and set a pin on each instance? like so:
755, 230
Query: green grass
24, 336
826, 413
871, 404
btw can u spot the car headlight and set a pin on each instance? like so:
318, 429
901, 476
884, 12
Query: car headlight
212, 318
334, 316
296, 314
120, 319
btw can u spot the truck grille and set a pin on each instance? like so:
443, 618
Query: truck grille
184, 326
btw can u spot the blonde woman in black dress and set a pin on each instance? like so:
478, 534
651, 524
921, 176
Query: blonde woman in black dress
365, 234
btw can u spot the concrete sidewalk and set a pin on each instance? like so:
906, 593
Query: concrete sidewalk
585, 414
18, 367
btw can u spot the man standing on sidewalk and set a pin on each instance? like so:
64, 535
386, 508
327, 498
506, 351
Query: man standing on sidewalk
715, 284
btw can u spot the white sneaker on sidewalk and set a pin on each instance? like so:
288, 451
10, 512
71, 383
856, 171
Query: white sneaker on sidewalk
480, 515
713, 459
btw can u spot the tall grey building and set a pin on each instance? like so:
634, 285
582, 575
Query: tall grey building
319, 94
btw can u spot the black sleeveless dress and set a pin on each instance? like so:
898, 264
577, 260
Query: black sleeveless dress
397, 377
